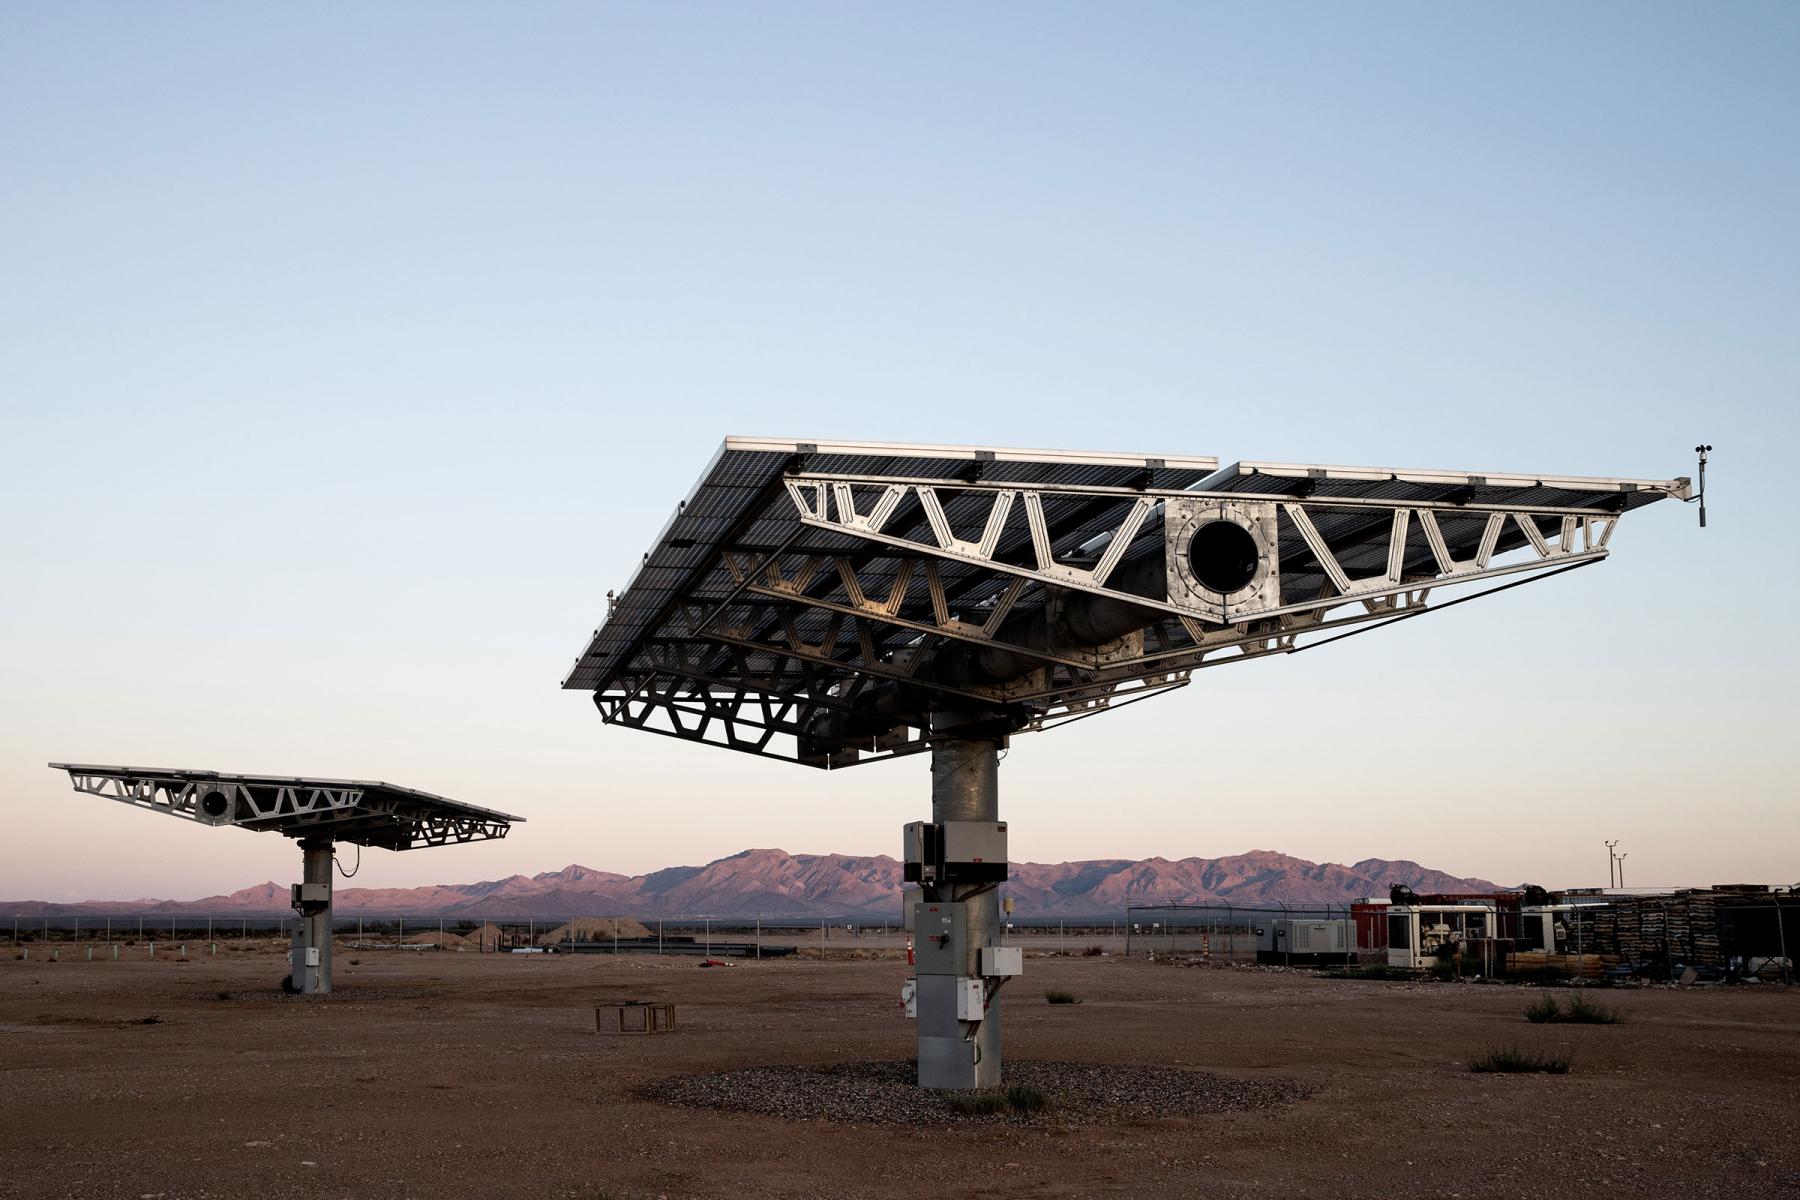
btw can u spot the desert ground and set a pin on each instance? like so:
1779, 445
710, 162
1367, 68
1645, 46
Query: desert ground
442, 1074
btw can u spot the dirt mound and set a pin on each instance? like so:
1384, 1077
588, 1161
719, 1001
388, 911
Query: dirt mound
594, 929
431, 937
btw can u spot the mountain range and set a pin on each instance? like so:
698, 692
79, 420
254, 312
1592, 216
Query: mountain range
774, 883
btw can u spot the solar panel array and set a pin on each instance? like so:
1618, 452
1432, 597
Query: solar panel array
764, 609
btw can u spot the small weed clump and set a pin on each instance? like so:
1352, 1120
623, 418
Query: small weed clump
1022, 1097
1545, 1011
1061, 998
1579, 1011
1511, 1060
1093, 952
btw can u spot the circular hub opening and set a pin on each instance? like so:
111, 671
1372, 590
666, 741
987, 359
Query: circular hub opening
1224, 556
215, 805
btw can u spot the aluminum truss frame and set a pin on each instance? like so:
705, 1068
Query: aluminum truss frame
832, 505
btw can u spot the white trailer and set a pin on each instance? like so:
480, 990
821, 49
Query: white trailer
1422, 934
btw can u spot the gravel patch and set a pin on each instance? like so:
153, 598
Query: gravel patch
885, 1093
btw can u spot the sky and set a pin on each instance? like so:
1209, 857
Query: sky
349, 354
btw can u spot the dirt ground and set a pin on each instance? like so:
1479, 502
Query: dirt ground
445, 1075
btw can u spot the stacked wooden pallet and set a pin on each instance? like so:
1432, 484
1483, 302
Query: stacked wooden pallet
1681, 928
1583, 966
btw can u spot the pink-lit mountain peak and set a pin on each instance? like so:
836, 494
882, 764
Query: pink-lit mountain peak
774, 883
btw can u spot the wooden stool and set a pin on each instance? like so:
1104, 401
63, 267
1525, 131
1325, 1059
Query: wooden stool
653, 1017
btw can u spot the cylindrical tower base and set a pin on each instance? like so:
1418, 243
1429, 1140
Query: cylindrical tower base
310, 956
956, 1053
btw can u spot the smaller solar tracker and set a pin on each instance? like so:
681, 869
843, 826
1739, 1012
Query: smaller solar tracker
361, 812
317, 813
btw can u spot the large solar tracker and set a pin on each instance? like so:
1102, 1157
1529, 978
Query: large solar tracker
819, 601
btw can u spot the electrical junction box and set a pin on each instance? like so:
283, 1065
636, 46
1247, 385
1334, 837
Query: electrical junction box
971, 999
940, 938
1002, 960
312, 956
909, 899
919, 858
909, 998
311, 894
954, 852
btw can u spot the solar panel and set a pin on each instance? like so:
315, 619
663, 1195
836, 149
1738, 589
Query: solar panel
362, 812
821, 601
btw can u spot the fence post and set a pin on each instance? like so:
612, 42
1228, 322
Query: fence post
1781, 940
759, 939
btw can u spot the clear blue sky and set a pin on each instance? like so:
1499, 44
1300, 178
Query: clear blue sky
350, 353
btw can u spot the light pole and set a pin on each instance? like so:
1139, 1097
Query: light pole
1611, 862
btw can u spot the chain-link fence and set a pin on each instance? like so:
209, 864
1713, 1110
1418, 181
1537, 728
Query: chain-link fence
1287, 934
151, 934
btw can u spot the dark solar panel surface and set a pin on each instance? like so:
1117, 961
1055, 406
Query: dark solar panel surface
741, 502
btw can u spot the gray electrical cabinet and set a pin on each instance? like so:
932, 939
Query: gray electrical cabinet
954, 852
940, 939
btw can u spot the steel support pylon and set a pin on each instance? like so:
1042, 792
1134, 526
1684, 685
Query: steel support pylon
965, 777
310, 957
